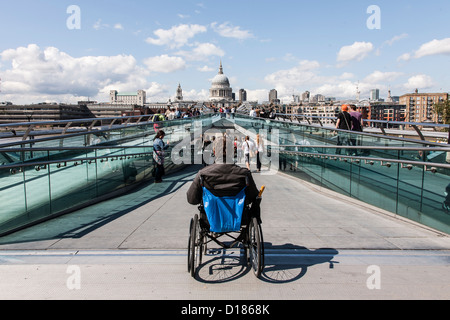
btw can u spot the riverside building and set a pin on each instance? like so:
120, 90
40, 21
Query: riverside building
419, 106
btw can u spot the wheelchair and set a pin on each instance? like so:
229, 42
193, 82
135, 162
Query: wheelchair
229, 218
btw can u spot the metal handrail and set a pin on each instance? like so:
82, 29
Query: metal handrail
81, 160
65, 122
364, 133
86, 120
86, 128
421, 124
70, 148
371, 161
446, 149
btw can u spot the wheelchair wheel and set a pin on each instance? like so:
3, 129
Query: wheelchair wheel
195, 246
189, 264
255, 247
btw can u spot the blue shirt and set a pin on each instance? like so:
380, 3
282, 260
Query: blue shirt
159, 145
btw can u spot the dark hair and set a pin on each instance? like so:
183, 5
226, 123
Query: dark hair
160, 134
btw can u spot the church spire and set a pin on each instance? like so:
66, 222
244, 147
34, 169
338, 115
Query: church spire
179, 96
220, 68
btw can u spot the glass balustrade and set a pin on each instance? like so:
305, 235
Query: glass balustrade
46, 177
405, 177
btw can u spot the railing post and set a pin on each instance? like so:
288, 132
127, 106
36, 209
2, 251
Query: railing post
448, 138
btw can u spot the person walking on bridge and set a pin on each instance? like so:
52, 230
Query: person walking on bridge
249, 150
158, 155
344, 122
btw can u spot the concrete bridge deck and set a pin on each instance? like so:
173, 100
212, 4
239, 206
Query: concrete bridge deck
318, 245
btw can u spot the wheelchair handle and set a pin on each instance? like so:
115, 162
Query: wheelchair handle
261, 191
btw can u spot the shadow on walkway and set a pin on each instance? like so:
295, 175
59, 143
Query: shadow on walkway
82, 222
283, 264
288, 262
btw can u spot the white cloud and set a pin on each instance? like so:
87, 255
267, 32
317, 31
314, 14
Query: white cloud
205, 69
433, 48
300, 75
99, 25
378, 77
258, 95
420, 81
165, 64
177, 36
202, 51
49, 72
404, 57
396, 38
229, 31
346, 76
343, 89
157, 92
306, 76
195, 95
357, 51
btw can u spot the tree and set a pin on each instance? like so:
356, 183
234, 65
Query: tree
442, 108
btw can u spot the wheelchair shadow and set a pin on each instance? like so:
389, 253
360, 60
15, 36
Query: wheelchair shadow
283, 264
220, 266
288, 262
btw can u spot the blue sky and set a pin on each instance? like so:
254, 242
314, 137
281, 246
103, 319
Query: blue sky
325, 47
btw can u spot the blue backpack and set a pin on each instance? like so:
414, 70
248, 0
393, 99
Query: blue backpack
224, 213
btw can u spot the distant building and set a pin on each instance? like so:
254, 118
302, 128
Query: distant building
419, 106
179, 96
40, 112
242, 95
318, 98
386, 112
374, 95
45, 112
306, 96
273, 97
128, 98
179, 103
316, 110
296, 99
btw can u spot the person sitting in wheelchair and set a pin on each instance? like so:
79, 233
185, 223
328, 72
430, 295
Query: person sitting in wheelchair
223, 180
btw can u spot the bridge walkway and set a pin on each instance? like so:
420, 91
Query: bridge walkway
318, 245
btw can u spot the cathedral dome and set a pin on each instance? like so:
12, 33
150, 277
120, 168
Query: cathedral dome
220, 80
220, 89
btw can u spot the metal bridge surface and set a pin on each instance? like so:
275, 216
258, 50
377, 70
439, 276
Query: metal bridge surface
318, 245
